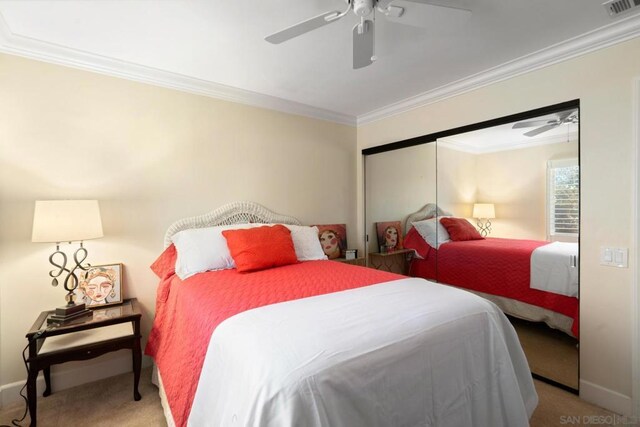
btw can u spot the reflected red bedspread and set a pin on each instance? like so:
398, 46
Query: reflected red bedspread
188, 311
494, 266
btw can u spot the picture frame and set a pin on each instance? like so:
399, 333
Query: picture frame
389, 236
100, 285
333, 238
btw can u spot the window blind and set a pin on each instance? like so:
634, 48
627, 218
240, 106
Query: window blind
564, 197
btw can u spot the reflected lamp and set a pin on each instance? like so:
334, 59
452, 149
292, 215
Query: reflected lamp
486, 212
58, 221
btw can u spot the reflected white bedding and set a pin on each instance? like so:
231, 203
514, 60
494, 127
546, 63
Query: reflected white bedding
554, 268
402, 353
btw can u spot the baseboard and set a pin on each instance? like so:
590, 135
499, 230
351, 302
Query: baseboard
605, 398
85, 372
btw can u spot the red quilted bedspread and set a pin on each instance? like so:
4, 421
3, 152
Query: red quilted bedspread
494, 266
187, 312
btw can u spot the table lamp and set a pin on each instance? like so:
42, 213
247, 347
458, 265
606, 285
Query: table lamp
484, 211
57, 221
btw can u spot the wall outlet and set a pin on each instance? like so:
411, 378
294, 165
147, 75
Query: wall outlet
614, 257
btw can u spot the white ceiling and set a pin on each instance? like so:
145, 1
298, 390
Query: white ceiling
217, 47
504, 137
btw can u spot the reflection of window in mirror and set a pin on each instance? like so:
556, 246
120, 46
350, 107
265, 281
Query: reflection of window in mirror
563, 207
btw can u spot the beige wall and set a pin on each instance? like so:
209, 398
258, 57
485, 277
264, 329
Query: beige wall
457, 181
150, 156
398, 182
516, 182
603, 82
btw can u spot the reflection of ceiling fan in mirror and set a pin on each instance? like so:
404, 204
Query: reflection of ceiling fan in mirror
564, 117
363, 32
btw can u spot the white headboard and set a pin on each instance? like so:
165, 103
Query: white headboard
232, 213
429, 210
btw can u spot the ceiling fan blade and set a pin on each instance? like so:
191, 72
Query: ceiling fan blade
540, 130
363, 44
420, 13
302, 27
531, 124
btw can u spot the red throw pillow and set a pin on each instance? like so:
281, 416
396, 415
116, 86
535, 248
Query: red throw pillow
165, 265
261, 247
460, 229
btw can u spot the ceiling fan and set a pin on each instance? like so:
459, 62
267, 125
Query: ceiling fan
564, 117
363, 32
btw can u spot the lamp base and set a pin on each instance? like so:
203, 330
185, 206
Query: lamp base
68, 313
69, 309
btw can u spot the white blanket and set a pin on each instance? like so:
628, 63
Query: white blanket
402, 353
554, 268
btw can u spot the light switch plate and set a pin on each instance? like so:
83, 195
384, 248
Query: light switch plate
614, 257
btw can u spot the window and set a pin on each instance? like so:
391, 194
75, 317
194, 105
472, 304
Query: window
563, 183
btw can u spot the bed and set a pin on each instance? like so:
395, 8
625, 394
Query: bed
319, 343
512, 273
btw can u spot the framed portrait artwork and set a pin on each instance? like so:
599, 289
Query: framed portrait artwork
100, 286
333, 238
389, 236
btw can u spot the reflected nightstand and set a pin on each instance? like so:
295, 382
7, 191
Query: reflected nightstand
362, 262
393, 262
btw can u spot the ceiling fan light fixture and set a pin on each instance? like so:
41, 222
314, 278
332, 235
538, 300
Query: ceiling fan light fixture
363, 7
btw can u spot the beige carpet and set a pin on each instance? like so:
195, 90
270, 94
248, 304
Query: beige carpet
104, 403
109, 402
550, 353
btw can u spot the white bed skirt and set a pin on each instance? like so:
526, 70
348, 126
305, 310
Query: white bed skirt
525, 311
157, 381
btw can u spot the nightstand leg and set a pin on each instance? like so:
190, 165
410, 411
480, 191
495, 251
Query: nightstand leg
137, 363
47, 381
32, 395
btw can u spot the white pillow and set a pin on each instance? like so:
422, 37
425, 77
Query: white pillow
306, 242
204, 249
432, 231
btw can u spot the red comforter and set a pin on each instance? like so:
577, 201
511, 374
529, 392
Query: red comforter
494, 266
187, 312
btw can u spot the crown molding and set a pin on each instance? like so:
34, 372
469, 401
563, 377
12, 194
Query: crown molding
617, 32
31, 48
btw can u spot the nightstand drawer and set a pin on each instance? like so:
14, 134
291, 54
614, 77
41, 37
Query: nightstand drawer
89, 336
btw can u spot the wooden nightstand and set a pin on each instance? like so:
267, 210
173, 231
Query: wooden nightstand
394, 262
109, 329
362, 262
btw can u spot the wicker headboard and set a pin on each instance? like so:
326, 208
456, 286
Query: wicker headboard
427, 211
232, 213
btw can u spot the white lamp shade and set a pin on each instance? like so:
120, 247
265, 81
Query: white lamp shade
66, 221
484, 210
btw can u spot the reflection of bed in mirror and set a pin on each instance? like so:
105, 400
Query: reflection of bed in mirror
530, 279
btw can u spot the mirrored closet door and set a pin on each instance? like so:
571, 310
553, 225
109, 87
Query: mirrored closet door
396, 182
493, 208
